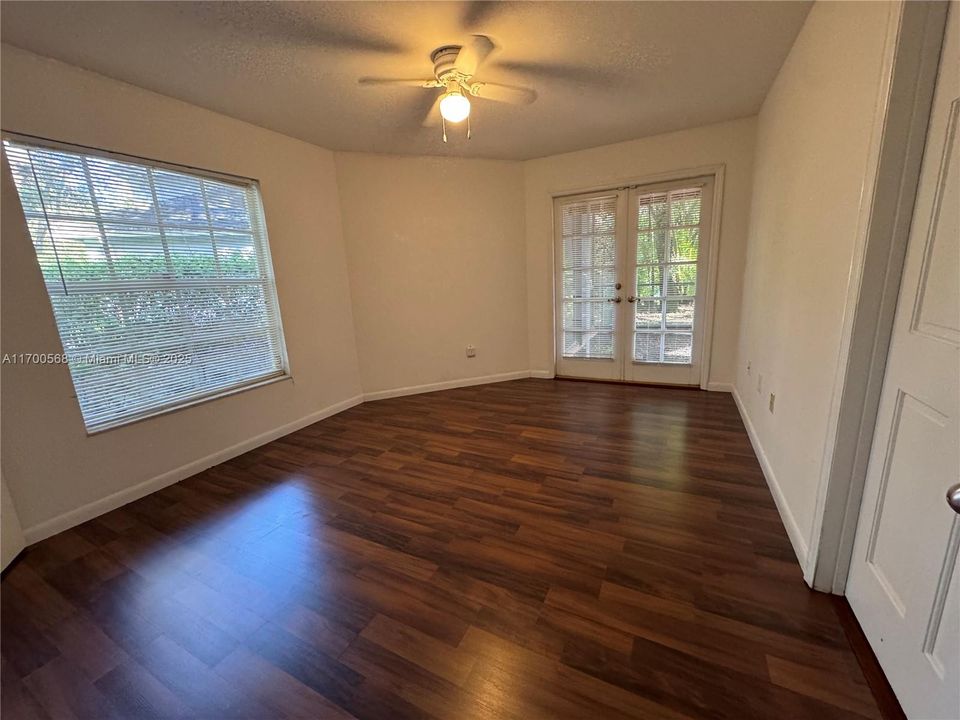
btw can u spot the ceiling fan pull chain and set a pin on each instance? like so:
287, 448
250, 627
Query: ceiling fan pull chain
443, 124
468, 127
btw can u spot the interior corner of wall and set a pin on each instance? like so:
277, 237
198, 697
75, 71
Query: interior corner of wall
798, 539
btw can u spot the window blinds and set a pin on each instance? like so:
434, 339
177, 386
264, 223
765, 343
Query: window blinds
589, 232
160, 279
668, 245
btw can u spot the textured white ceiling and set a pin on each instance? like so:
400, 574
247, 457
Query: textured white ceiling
604, 71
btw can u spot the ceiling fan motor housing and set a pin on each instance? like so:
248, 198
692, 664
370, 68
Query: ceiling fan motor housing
443, 61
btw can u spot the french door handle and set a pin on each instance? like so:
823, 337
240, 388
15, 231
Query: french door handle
631, 299
616, 299
953, 497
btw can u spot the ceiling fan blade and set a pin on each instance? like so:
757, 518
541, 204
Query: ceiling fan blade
308, 26
477, 12
504, 93
473, 53
561, 71
433, 114
398, 82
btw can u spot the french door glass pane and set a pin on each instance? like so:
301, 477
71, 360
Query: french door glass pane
657, 347
587, 344
587, 315
681, 280
649, 314
684, 244
677, 348
649, 281
651, 246
589, 261
668, 246
591, 283
646, 347
679, 313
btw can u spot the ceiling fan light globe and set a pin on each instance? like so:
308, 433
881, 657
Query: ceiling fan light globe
454, 107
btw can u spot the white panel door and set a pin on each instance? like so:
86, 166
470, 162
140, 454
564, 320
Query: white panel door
903, 583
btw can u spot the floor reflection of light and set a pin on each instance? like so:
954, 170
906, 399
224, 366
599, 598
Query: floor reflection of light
281, 525
500, 684
669, 460
270, 507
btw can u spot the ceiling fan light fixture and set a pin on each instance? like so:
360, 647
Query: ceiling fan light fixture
454, 70
455, 107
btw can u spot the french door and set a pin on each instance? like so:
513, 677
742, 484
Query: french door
631, 279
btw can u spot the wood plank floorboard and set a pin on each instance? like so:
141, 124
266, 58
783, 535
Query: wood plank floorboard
528, 549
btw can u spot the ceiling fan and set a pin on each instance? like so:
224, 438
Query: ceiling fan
454, 67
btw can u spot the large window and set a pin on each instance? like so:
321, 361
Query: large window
160, 278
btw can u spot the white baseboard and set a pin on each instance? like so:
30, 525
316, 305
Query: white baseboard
797, 538
543, 374
67, 520
720, 387
445, 385
91, 510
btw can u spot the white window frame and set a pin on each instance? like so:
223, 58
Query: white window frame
270, 287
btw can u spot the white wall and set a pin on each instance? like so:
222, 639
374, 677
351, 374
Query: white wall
436, 255
813, 137
729, 143
51, 466
11, 534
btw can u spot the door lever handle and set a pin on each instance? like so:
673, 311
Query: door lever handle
631, 299
953, 497
616, 299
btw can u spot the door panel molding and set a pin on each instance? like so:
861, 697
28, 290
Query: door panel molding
948, 170
900, 423
945, 583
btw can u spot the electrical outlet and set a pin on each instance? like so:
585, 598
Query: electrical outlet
759, 383
471, 351
773, 399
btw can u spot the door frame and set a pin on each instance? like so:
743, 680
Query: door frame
910, 61
625, 185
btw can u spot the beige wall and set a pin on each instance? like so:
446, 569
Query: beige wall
51, 466
11, 534
813, 136
729, 143
436, 256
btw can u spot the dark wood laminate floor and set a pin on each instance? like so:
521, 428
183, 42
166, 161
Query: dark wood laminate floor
530, 549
